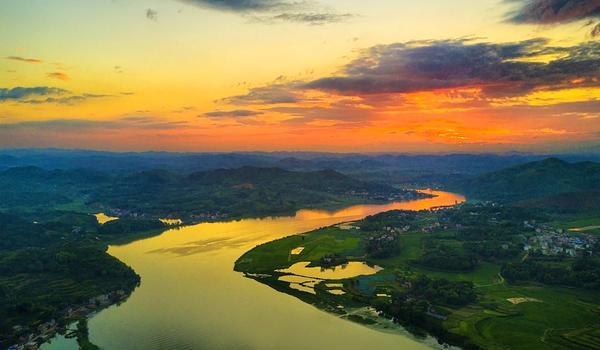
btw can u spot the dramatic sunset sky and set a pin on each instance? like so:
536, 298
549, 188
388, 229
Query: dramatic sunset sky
318, 75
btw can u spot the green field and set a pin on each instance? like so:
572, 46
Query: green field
547, 322
542, 317
276, 255
485, 274
590, 223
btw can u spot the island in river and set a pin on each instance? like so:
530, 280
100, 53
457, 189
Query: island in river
190, 298
478, 276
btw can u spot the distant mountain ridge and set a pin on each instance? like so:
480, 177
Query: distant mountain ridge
535, 180
247, 191
349, 163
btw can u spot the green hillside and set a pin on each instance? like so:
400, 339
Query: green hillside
535, 180
215, 194
567, 202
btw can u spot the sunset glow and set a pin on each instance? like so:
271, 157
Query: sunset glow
328, 75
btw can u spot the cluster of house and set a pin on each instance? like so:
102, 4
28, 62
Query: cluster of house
556, 241
122, 213
393, 229
346, 226
431, 227
30, 340
43, 332
358, 193
382, 238
390, 197
207, 217
442, 223
194, 217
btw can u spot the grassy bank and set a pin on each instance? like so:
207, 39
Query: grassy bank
504, 315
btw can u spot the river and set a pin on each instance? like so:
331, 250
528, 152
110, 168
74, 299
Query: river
190, 297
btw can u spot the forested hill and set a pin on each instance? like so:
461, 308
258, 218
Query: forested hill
323, 180
410, 170
52, 249
215, 194
535, 180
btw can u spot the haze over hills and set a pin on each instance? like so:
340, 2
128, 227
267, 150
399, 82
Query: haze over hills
45, 212
238, 177
408, 169
426, 172
220, 193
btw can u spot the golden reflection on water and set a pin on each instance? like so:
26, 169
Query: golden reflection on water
336, 291
300, 283
171, 221
190, 297
296, 251
360, 211
103, 218
351, 269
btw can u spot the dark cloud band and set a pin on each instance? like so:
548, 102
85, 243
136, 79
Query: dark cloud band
20, 93
24, 59
271, 11
555, 11
44, 94
431, 65
243, 5
132, 122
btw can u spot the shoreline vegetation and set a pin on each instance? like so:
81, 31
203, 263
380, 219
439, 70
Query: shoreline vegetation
469, 275
223, 194
48, 221
65, 283
483, 274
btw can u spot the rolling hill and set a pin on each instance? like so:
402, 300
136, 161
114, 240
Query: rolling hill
216, 194
535, 180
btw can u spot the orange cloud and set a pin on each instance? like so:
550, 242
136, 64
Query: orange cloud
58, 75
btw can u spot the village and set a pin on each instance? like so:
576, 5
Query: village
30, 339
556, 241
191, 218
536, 237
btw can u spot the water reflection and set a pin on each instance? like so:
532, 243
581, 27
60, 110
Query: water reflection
171, 221
190, 297
300, 283
349, 270
103, 218
359, 211
336, 291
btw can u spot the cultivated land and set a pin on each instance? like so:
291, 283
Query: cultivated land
476, 295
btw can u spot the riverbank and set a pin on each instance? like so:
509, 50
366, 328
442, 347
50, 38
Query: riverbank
198, 260
73, 314
43, 287
57, 286
29, 337
116, 228
443, 278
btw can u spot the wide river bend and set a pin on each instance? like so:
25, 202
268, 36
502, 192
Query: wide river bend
190, 297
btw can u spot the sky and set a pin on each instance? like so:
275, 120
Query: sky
432, 76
